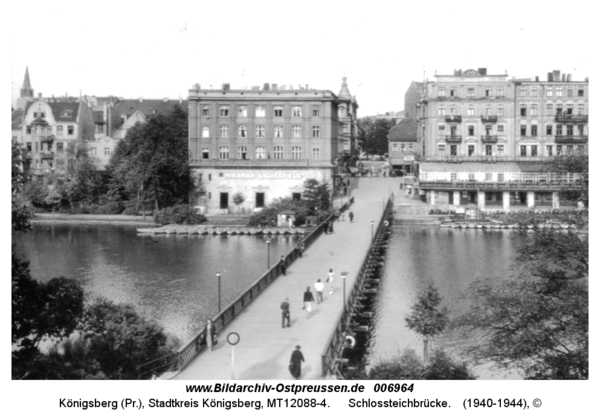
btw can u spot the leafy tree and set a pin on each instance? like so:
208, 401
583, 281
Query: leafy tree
576, 162
238, 199
373, 135
179, 214
86, 182
21, 212
427, 319
316, 196
537, 320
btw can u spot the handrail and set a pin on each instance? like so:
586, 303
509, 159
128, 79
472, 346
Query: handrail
334, 345
177, 361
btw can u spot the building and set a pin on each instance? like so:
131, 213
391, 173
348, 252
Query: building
348, 130
264, 143
411, 98
484, 136
403, 145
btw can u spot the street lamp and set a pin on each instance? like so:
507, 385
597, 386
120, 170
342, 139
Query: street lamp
372, 225
268, 254
344, 274
219, 288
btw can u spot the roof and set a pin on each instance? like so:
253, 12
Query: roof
64, 111
147, 107
344, 92
405, 130
17, 119
482, 167
98, 116
26, 82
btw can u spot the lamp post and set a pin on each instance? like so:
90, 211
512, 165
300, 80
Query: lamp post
268, 254
219, 289
372, 225
344, 274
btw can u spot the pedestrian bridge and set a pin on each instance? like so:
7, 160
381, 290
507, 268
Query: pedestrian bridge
264, 348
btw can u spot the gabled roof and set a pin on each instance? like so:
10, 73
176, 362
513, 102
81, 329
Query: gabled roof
147, 107
65, 111
17, 119
405, 130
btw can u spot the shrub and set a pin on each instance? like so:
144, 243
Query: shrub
179, 214
268, 215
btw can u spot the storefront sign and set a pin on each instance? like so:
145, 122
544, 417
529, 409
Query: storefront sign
274, 176
409, 158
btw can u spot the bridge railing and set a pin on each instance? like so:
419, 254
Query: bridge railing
335, 344
178, 360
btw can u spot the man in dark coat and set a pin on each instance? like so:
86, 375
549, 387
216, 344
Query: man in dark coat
351, 216
296, 363
285, 313
282, 264
308, 299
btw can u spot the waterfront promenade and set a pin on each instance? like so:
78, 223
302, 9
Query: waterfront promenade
264, 350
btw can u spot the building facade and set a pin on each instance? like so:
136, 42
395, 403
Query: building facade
263, 143
483, 137
403, 146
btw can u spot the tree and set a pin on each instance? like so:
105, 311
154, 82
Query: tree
86, 182
427, 319
576, 162
151, 163
316, 196
21, 212
238, 199
537, 320
373, 135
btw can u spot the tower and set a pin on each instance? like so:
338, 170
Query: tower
26, 92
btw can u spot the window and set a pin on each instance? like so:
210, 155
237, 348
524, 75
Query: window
242, 131
559, 130
488, 110
488, 176
441, 128
224, 153
569, 149
260, 152
453, 149
471, 150
37, 146
59, 130
559, 109
316, 131
559, 150
35, 114
394, 147
99, 129
534, 109
205, 132
471, 130
260, 200
242, 153
453, 109
488, 130
342, 112
205, 111
470, 110
441, 91
549, 108
580, 108
441, 110
296, 131
296, 153
316, 111
205, 154
278, 153
500, 177
106, 151
29, 145
549, 150
452, 92
70, 129
441, 149
316, 155
579, 148
500, 129
549, 91
224, 111
523, 130
278, 111
548, 129
533, 130
297, 112
453, 176
28, 129
453, 130
523, 109
471, 92
499, 91
570, 130
402, 147
242, 111
500, 110
580, 93
522, 91
410, 147
569, 92
260, 131
569, 109
558, 91
488, 91
260, 111
534, 150
534, 91
278, 131
471, 176
92, 150
580, 128
500, 149
224, 131
488, 150
523, 150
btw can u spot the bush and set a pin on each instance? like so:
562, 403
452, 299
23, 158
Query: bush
268, 215
179, 214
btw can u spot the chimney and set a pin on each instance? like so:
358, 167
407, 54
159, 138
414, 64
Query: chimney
564, 78
141, 99
306, 87
537, 78
482, 71
273, 86
569, 77
556, 75
550, 77
39, 95
226, 86
266, 86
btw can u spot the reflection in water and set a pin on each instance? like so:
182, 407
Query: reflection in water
450, 259
171, 279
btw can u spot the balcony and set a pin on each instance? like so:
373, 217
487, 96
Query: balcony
453, 118
260, 163
47, 155
489, 118
571, 118
481, 159
489, 139
515, 185
571, 139
453, 139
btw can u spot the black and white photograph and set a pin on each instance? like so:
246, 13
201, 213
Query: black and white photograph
315, 195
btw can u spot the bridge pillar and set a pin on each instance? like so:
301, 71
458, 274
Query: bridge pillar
506, 200
555, 200
530, 199
456, 198
481, 200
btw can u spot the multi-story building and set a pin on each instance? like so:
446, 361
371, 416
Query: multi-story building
348, 119
483, 137
403, 146
264, 143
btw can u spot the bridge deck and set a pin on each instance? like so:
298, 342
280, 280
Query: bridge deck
265, 347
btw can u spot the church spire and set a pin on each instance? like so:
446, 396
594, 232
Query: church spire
344, 92
26, 90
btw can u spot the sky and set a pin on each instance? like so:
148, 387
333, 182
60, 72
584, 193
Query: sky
138, 49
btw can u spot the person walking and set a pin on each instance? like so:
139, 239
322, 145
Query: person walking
285, 313
282, 264
308, 299
300, 248
345, 190
296, 363
351, 216
330, 227
330, 280
210, 335
319, 286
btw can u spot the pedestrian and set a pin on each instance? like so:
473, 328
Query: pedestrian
282, 264
319, 286
330, 280
300, 248
296, 363
210, 335
345, 190
330, 227
308, 299
285, 313
351, 216
337, 215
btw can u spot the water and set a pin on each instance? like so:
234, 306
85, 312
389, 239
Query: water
451, 259
171, 279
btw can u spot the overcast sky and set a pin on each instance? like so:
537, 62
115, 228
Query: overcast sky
139, 49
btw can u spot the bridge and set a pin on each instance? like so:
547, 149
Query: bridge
264, 350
